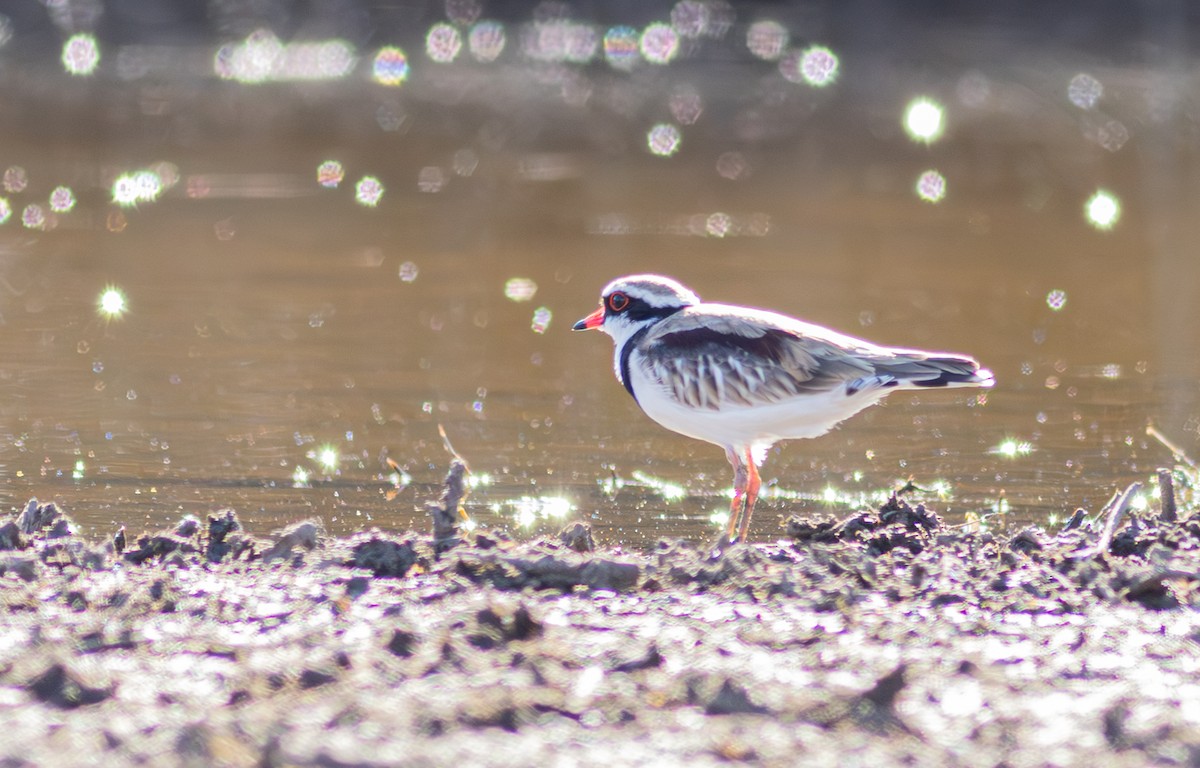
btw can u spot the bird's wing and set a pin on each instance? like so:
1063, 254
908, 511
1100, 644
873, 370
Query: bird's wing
713, 358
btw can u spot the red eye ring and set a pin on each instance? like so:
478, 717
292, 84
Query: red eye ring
618, 301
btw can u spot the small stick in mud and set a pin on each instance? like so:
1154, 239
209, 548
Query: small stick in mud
1116, 510
1166, 494
448, 510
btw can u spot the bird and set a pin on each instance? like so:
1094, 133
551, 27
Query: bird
744, 378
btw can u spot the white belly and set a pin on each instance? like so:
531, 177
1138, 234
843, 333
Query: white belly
806, 415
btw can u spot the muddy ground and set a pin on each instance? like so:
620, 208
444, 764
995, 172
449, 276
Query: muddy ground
883, 638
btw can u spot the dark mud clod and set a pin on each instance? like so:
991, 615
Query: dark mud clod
63, 689
305, 535
384, 557
578, 536
10, 536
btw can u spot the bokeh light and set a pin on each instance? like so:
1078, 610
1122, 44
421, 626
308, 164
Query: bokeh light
486, 41
924, 120
15, 179
718, 224
659, 43
33, 217
390, 66
767, 39
330, 174
519, 289
368, 191
409, 271
1084, 91
663, 140
327, 457
443, 43
81, 54
621, 47
251, 61
5, 210
690, 18
557, 40
818, 66
62, 200
1103, 209
732, 166
112, 302
1012, 448
431, 179
686, 105
262, 57
541, 319
143, 186
931, 186
1056, 299
463, 12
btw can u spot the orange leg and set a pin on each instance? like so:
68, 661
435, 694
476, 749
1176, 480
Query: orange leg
752, 486
740, 480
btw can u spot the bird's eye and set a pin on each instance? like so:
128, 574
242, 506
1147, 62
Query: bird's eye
618, 302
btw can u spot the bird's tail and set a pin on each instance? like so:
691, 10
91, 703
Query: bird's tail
917, 369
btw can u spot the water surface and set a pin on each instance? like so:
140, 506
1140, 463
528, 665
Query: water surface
281, 340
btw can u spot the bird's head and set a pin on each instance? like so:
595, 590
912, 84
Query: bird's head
629, 304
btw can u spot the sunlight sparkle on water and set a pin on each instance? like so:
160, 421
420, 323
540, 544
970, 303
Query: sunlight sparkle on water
519, 289
541, 319
1056, 299
1103, 209
390, 66
443, 43
137, 187
1084, 91
668, 490
621, 47
767, 39
486, 41
33, 217
327, 457
663, 139
923, 119
931, 186
368, 191
1012, 448
62, 200
819, 66
263, 58
112, 302
5, 210
299, 477
330, 173
690, 18
15, 179
659, 43
528, 510
80, 54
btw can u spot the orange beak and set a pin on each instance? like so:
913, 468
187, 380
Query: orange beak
591, 321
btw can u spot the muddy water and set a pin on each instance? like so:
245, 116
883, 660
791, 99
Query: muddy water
281, 341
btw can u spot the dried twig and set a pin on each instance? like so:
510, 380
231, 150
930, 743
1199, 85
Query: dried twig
1115, 511
1166, 494
448, 511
